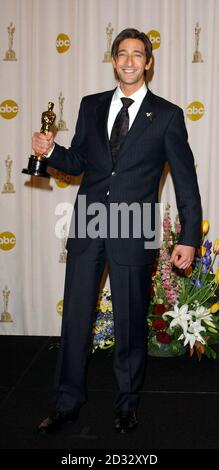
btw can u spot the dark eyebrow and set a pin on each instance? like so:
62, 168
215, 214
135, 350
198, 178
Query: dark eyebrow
135, 50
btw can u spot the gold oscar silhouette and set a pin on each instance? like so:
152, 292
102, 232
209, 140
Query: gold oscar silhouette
8, 186
61, 123
197, 57
10, 54
6, 316
109, 33
37, 165
63, 254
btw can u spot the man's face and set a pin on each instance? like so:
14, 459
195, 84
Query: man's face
130, 62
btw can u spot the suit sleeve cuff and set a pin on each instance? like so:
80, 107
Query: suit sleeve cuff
50, 152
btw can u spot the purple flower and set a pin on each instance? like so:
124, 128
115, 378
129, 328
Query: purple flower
199, 284
204, 269
208, 244
206, 261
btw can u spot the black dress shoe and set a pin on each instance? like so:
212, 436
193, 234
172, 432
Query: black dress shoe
125, 421
55, 421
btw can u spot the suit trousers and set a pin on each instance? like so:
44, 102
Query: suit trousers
130, 298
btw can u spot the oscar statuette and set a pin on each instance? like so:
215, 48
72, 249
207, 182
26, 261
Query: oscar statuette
10, 53
109, 33
6, 316
37, 165
197, 56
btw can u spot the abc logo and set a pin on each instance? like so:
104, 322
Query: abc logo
195, 110
7, 241
62, 180
59, 307
154, 37
61, 183
8, 109
62, 43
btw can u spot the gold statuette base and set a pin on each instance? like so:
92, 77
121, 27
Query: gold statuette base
37, 167
107, 57
10, 55
62, 126
197, 57
6, 318
63, 257
8, 188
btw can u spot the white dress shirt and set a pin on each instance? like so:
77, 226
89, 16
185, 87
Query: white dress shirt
116, 105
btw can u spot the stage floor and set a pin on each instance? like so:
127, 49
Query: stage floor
178, 409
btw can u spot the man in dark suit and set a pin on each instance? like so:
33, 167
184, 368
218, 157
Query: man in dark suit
123, 139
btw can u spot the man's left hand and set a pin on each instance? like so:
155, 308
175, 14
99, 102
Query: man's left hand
182, 256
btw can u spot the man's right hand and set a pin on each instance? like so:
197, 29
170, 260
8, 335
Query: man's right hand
42, 143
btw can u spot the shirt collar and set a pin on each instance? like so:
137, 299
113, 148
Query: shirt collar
137, 96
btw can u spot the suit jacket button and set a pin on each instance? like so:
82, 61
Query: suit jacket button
107, 193
113, 173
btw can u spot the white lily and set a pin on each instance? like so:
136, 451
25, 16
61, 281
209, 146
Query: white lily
203, 313
180, 316
201, 310
193, 334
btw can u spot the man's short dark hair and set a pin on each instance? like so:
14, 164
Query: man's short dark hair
132, 34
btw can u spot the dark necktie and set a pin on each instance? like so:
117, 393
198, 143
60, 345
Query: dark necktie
120, 128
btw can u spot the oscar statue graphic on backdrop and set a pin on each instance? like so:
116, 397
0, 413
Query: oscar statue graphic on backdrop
61, 123
8, 186
63, 254
10, 54
197, 57
109, 33
6, 316
37, 165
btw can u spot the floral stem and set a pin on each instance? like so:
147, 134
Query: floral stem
209, 293
209, 269
197, 279
207, 290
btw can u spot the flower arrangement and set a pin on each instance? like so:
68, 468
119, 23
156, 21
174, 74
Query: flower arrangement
184, 307
103, 328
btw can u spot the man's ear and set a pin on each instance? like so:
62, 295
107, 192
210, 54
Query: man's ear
149, 64
113, 62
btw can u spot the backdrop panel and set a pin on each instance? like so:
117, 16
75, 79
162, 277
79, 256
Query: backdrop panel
55, 50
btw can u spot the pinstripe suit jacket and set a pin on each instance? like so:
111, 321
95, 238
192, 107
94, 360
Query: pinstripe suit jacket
158, 135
